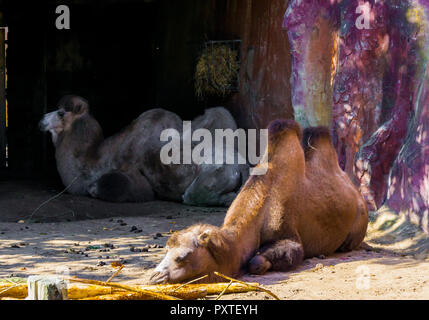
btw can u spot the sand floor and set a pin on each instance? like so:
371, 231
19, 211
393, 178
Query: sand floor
396, 268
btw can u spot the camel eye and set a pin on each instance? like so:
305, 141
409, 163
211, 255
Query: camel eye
61, 113
182, 257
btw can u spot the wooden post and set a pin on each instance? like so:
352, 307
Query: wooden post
2, 94
44, 98
46, 288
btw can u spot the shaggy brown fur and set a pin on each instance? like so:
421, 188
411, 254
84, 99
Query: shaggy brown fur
127, 166
304, 206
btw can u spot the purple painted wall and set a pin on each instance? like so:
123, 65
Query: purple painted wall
374, 94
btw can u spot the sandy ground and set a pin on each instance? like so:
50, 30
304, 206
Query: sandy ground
397, 267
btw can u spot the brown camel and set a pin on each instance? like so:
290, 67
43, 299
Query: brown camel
304, 206
126, 167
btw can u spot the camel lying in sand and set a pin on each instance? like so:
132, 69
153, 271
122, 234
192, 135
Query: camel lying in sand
304, 206
127, 166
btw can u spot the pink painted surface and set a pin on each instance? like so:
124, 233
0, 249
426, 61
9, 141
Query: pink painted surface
378, 97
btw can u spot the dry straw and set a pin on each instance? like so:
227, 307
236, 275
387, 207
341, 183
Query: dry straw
216, 71
85, 289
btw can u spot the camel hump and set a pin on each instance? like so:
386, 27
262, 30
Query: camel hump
313, 135
279, 126
218, 111
317, 145
215, 118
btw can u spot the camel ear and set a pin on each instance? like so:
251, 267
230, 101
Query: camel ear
80, 106
204, 238
214, 243
74, 104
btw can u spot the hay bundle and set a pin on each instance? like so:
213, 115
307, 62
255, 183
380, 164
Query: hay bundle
217, 71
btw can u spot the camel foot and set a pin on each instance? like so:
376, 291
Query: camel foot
259, 265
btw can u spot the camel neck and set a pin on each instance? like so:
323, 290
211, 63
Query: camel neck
231, 253
246, 208
84, 137
247, 214
77, 149
244, 219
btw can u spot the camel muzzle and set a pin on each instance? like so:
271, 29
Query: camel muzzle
159, 278
42, 125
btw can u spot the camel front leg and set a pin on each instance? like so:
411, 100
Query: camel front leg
282, 255
118, 186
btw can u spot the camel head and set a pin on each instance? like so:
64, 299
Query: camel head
192, 253
69, 109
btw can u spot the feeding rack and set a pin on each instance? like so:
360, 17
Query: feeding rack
218, 68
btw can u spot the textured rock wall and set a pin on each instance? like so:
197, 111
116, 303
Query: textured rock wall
370, 86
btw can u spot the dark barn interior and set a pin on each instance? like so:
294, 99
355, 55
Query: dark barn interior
126, 57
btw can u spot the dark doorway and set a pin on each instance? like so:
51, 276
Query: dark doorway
109, 56
3, 101
124, 56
